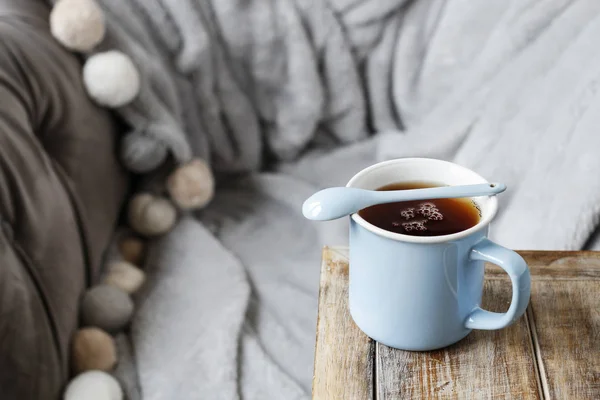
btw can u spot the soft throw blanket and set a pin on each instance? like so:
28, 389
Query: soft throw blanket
314, 91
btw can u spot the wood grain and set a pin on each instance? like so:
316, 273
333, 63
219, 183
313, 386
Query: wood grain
553, 352
556, 265
566, 317
344, 356
486, 364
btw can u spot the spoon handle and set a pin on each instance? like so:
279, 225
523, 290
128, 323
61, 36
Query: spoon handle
444, 192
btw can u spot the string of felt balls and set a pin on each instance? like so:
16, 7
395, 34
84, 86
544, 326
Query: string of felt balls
112, 80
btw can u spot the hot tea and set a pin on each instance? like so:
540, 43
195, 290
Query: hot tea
422, 217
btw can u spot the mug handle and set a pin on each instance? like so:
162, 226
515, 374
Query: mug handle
517, 269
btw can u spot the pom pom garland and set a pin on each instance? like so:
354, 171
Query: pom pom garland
112, 80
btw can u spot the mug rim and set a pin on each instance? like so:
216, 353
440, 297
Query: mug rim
483, 222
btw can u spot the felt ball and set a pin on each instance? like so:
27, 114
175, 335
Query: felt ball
93, 385
77, 24
191, 186
106, 307
92, 348
125, 276
150, 215
133, 250
142, 153
111, 79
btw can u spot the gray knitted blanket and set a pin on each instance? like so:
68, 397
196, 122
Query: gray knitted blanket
236, 82
312, 91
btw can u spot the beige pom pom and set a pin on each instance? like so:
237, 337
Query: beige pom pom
93, 348
125, 276
133, 250
149, 215
192, 185
77, 24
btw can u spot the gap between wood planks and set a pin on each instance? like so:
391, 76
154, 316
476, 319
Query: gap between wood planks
375, 370
538, 362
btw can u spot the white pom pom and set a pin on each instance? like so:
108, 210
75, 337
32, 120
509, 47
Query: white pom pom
77, 24
111, 79
94, 385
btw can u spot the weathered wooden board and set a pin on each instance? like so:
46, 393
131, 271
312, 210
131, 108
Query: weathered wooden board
565, 314
486, 364
552, 353
344, 356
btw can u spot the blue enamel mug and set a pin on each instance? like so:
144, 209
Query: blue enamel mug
424, 293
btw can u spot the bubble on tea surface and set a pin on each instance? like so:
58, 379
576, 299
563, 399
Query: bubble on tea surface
436, 216
396, 223
430, 211
414, 226
408, 213
426, 212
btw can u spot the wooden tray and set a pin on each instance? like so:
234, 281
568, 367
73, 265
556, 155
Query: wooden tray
552, 352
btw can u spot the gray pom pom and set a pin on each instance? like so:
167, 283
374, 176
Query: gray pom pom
142, 153
106, 307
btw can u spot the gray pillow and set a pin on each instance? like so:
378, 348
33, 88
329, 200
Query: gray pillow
61, 189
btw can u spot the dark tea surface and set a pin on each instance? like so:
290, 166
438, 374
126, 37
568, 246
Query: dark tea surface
422, 217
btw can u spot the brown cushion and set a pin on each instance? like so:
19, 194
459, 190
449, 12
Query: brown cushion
61, 189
